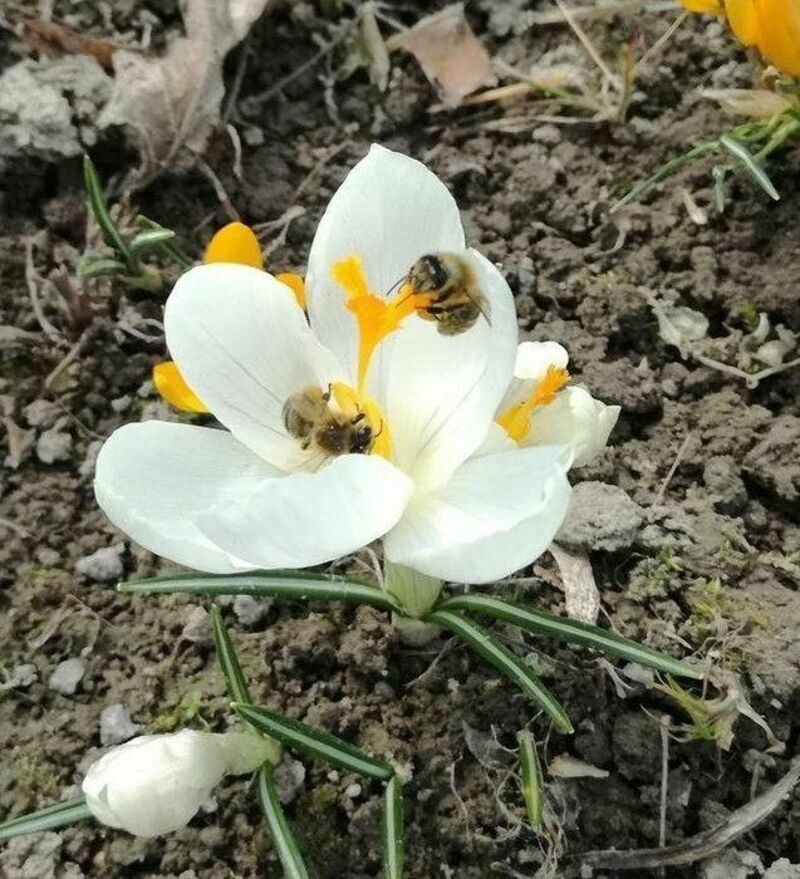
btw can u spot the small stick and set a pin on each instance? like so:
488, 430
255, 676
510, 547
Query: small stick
33, 292
662, 811
702, 845
73, 352
587, 44
219, 189
673, 468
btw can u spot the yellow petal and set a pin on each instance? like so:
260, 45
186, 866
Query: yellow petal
235, 243
172, 387
708, 7
779, 34
296, 285
743, 19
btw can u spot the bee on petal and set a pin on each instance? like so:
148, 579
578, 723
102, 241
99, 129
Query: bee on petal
455, 299
309, 418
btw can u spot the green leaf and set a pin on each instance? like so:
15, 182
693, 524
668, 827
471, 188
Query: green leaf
313, 742
277, 584
393, 831
150, 240
503, 660
280, 831
572, 631
98, 207
234, 676
95, 266
532, 782
168, 247
50, 818
740, 151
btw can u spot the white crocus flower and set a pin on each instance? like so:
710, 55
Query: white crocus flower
450, 496
539, 408
155, 784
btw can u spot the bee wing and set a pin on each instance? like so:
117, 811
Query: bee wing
478, 298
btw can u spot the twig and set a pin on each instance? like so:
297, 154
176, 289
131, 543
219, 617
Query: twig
662, 810
673, 468
318, 166
605, 11
587, 44
238, 79
65, 361
659, 44
705, 844
33, 292
222, 196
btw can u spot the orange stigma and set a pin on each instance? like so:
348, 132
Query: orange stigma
516, 420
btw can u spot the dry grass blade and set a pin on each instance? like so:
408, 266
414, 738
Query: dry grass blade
705, 844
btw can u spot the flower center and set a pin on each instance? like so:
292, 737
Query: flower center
516, 420
376, 317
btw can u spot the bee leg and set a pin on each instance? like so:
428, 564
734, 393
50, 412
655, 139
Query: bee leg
305, 444
327, 396
356, 418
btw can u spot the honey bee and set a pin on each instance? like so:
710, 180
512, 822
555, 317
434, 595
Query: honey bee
309, 418
457, 302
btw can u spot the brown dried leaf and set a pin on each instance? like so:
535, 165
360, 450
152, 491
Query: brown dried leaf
581, 596
449, 53
755, 103
174, 101
55, 40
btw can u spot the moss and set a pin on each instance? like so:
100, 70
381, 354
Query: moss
36, 781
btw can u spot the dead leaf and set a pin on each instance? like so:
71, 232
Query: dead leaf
581, 595
55, 40
755, 103
173, 102
449, 53
375, 47
566, 766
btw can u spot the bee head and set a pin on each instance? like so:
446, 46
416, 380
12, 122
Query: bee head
363, 438
428, 273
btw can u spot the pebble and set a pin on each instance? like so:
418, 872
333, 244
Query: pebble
352, 791
197, 628
47, 557
602, 517
21, 676
103, 566
289, 776
41, 413
53, 446
250, 611
67, 676
116, 725
121, 404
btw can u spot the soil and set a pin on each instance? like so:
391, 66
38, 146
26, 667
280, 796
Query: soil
714, 568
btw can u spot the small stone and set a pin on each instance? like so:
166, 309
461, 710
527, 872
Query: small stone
198, 627
782, 869
353, 791
250, 611
92, 451
121, 404
41, 413
289, 776
67, 676
103, 566
547, 134
21, 676
53, 446
47, 557
116, 725
600, 516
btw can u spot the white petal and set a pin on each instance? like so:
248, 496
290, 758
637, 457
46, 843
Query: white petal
497, 514
309, 518
575, 419
244, 347
440, 393
199, 497
153, 785
532, 362
389, 211
156, 480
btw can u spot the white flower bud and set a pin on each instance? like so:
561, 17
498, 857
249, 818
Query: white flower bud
155, 784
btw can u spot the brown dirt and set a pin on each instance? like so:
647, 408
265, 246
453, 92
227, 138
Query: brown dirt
716, 567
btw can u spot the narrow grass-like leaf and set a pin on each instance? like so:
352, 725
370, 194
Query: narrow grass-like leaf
226, 655
102, 265
481, 641
97, 204
150, 240
59, 815
169, 247
740, 151
393, 832
280, 831
532, 782
276, 584
564, 629
313, 742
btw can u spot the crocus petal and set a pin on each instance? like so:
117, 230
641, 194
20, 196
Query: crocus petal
743, 19
199, 497
574, 419
157, 480
709, 7
497, 514
309, 518
235, 243
532, 362
388, 212
173, 388
244, 347
440, 393
779, 34
153, 785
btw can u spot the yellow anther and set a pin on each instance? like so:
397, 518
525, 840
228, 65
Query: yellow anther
296, 284
516, 420
376, 317
235, 243
172, 387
